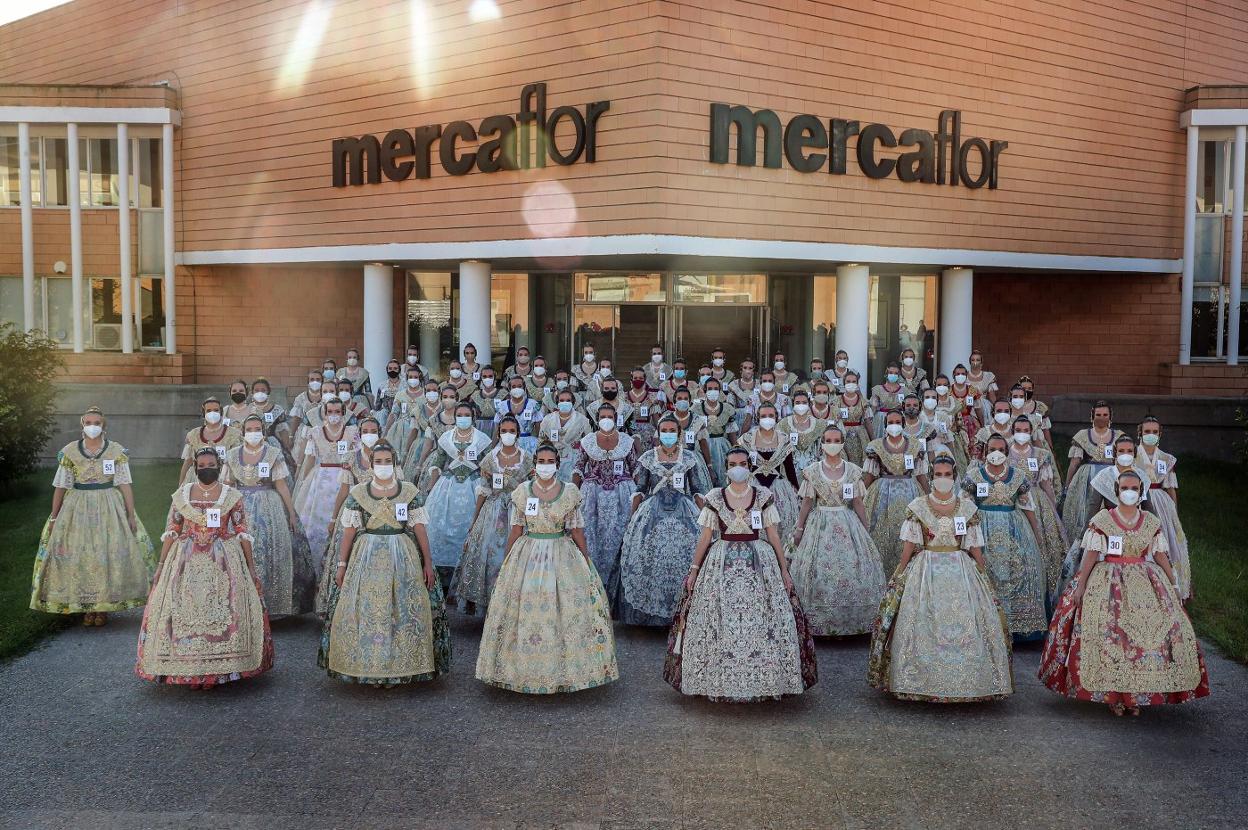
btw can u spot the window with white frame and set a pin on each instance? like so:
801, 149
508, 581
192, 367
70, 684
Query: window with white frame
98, 177
101, 313
1211, 292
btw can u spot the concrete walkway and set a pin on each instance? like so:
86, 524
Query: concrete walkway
87, 745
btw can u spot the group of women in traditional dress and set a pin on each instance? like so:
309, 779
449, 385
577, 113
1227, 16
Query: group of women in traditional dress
747, 513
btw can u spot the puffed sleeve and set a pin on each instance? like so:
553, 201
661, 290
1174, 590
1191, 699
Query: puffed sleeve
1025, 500
64, 477
279, 470
974, 534
186, 450
1158, 545
237, 521
860, 489
173, 526
967, 486
309, 449
416, 515
807, 490
708, 518
515, 516
1171, 478
351, 515
771, 516
1045, 472
641, 477
575, 519
701, 479
912, 531
1094, 541
920, 464
870, 462
122, 470
1076, 451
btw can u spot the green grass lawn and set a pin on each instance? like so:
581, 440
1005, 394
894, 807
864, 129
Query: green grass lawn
23, 510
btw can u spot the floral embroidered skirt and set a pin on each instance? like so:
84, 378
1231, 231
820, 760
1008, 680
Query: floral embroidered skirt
837, 573
548, 629
314, 502
654, 558
1053, 544
856, 440
89, 560
384, 627
1160, 503
282, 556
205, 622
483, 555
886, 503
1081, 501
1130, 643
606, 517
941, 635
739, 635
450, 506
1016, 571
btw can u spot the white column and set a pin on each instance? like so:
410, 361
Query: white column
28, 228
1189, 247
123, 225
474, 309
957, 296
853, 310
378, 337
75, 234
1237, 246
166, 201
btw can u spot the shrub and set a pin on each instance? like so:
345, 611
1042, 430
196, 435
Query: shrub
28, 363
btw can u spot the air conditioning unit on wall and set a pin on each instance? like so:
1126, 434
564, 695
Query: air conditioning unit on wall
106, 336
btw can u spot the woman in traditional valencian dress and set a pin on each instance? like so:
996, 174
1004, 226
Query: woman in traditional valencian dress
983, 382
720, 418
94, 553
1120, 635
741, 392
740, 633
941, 635
935, 424
837, 375
548, 629
527, 411
604, 478
834, 562
692, 426
1016, 567
771, 455
1001, 424
279, 547
314, 419
967, 398
563, 429
503, 469
453, 490
326, 453
387, 393
1163, 499
238, 407
1091, 450
808, 431
307, 400
1040, 468
205, 622
854, 412
416, 444
386, 624
895, 474
213, 435
273, 418
1023, 407
663, 530
432, 455
886, 397
646, 409
1039, 407
913, 377
357, 376
403, 407
486, 398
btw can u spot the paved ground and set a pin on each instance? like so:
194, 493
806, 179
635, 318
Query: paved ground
86, 744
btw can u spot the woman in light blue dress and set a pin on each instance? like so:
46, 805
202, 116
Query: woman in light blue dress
604, 478
721, 428
663, 531
452, 495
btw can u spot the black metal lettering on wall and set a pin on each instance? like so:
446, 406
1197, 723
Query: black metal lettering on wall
503, 142
931, 158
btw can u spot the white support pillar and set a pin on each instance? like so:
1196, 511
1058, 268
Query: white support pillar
957, 297
28, 228
1189, 247
474, 309
123, 225
75, 234
1237, 246
166, 202
378, 337
853, 310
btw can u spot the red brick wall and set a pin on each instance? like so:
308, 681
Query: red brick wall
1094, 333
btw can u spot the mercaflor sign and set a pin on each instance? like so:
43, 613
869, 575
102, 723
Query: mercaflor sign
528, 139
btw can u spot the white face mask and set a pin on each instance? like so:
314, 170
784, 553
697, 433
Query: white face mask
385, 472
539, 371
353, 361
518, 392
606, 424
1125, 459
546, 471
1152, 439
253, 438
344, 396
93, 430
1001, 418
413, 382
893, 429
656, 359
942, 485
213, 417
457, 373
712, 395
368, 439
314, 386
431, 396
1129, 497
833, 448
959, 379
738, 474
412, 359
851, 387
929, 404
996, 457
605, 371
333, 420
767, 423
487, 382
717, 362
259, 397
801, 408
942, 390
842, 364
1017, 403
767, 386
507, 439
1022, 438
779, 365
907, 361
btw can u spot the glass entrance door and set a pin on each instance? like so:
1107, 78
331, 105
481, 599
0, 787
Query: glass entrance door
739, 330
624, 333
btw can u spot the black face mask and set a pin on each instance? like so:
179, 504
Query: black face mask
394, 373
208, 475
911, 413
609, 394
238, 397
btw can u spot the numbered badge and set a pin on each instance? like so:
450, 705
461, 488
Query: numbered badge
400, 511
554, 434
662, 376
970, 400
471, 454
847, 492
227, 421
264, 468
531, 506
1115, 546
476, 376
403, 407
959, 525
618, 467
496, 481
1033, 465
213, 515
784, 390
343, 447
645, 411
944, 428
110, 467
619, 420
901, 396
923, 444
678, 480
268, 417
690, 436
1162, 467
756, 519
793, 437
1109, 452
981, 490
908, 460
220, 451
844, 412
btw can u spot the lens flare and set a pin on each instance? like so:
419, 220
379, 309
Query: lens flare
303, 48
482, 10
